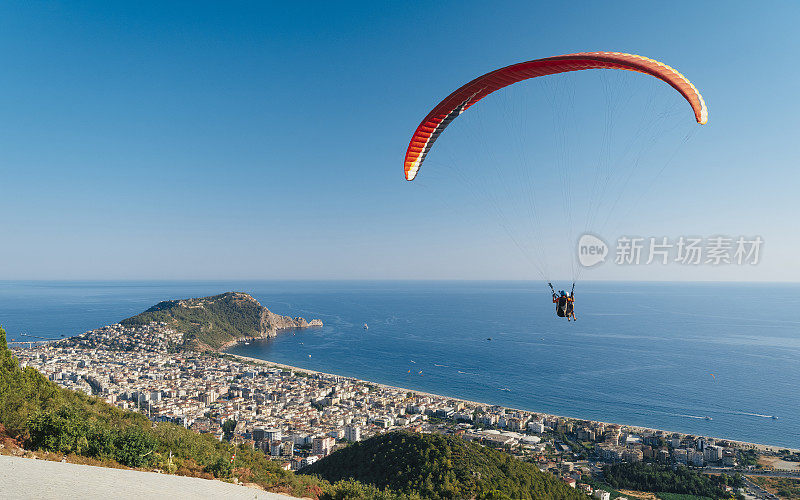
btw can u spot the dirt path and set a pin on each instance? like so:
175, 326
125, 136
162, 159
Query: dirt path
29, 478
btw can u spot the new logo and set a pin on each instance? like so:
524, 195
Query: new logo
591, 250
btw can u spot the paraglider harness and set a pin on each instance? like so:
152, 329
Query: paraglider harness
564, 303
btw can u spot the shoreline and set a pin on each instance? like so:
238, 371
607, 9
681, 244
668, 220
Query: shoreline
220, 352
745, 444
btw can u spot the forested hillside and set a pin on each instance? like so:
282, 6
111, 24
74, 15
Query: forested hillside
661, 478
438, 467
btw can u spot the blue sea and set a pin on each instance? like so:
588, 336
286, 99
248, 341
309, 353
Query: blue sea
661, 355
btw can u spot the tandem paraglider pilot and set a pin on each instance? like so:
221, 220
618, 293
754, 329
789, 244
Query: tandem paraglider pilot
565, 304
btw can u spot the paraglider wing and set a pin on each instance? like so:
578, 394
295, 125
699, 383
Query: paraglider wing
459, 101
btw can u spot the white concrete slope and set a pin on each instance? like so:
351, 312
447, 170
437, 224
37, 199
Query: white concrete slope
30, 478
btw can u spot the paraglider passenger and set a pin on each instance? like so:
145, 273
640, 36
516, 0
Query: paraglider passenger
571, 307
564, 304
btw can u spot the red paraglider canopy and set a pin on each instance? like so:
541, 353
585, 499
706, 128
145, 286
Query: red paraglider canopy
456, 103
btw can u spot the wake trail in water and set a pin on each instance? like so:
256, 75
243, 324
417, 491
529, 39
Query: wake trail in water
750, 414
686, 415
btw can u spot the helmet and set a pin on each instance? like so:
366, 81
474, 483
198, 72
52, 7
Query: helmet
562, 292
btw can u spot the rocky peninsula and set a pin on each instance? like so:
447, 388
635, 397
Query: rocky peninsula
218, 322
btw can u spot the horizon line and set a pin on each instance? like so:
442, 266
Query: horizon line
373, 280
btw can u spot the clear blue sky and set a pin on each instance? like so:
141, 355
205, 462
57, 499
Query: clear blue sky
257, 140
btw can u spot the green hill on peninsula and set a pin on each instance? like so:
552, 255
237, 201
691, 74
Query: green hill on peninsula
437, 466
209, 323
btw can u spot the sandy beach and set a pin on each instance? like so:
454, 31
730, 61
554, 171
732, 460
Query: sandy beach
744, 444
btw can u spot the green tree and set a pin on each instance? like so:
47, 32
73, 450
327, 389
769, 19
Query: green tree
227, 429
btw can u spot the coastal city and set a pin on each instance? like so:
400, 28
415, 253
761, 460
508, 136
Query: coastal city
361, 250
298, 416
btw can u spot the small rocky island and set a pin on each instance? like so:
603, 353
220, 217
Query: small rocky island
219, 321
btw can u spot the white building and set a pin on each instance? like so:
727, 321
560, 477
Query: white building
487, 419
601, 495
322, 445
713, 453
272, 434
302, 438
530, 440
352, 433
384, 422
537, 427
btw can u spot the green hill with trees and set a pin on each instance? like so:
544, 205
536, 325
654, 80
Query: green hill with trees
439, 467
209, 323
662, 478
